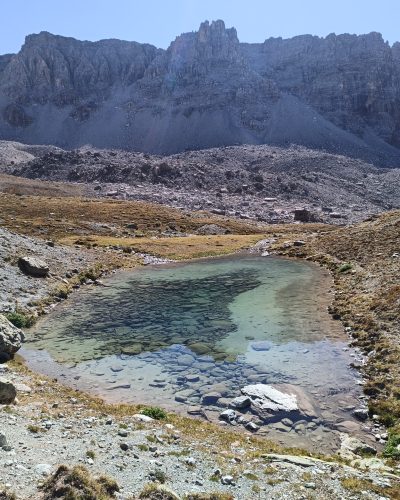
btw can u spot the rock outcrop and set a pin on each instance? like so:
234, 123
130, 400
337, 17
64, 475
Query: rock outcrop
11, 338
339, 93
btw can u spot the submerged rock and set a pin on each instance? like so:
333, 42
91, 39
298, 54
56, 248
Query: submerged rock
263, 345
240, 403
211, 398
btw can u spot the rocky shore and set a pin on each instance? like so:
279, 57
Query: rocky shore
50, 425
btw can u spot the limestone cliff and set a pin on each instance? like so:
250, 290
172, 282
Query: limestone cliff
339, 93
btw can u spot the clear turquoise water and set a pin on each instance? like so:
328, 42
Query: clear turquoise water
226, 322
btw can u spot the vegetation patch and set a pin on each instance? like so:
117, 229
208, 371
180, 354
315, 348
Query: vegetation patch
77, 484
20, 319
345, 267
392, 448
157, 492
154, 412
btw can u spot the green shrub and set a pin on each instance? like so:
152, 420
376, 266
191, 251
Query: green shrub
154, 412
392, 448
345, 267
20, 319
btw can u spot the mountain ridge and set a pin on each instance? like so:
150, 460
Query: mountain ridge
340, 93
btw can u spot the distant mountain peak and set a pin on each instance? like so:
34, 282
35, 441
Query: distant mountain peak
340, 93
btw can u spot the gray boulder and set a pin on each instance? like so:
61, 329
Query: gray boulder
229, 416
269, 398
8, 392
272, 401
32, 266
210, 229
351, 446
240, 403
11, 337
305, 215
262, 345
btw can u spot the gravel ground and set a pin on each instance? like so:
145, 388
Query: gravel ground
49, 427
16, 286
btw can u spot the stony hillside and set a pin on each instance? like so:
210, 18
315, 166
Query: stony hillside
339, 93
259, 182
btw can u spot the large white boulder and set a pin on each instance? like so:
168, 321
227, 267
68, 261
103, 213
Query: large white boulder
271, 401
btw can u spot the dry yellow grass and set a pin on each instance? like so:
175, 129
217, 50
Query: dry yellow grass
57, 217
20, 186
178, 248
368, 300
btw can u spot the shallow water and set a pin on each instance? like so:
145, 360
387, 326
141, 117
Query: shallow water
167, 335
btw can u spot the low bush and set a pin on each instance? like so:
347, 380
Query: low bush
345, 267
154, 412
392, 448
20, 319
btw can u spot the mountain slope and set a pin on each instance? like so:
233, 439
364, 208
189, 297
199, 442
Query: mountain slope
339, 93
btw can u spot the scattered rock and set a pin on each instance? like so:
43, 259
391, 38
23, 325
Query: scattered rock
361, 414
283, 400
351, 446
227, 480
142, 418
3, 440
210, 229
240, 403
251, 426
263, 345
8, 392
43, 469
291, 459
210, 398
32, 266
11, 337
229, 416
304, 215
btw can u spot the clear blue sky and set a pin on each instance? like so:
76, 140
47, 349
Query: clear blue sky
159, 21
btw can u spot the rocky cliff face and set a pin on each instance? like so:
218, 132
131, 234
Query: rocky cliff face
339, 93
352, 80
64, 70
